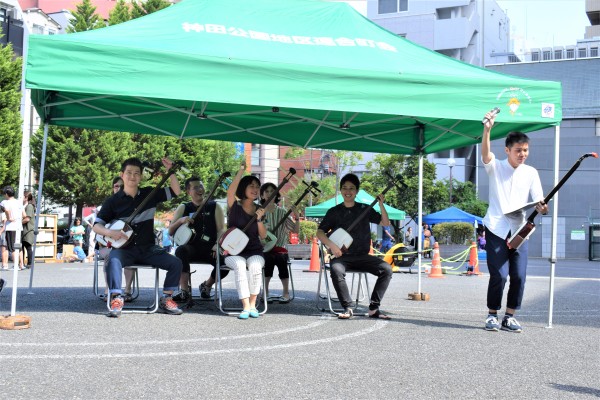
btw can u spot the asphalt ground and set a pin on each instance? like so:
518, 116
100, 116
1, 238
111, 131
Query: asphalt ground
433, 349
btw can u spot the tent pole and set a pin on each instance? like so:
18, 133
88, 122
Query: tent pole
420, 222
554, 226
39, 202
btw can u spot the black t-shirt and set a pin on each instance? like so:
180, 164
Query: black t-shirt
121, 206
238, 218
205, 225
341, 216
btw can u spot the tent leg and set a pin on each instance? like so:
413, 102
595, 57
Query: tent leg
420, 223
554, 227
39, 202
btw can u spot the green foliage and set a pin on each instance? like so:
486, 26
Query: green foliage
454, 232
85, 18
326, 185
465, 198
10, 117
120, 13
143, 8
408, 167
80, 163
308, 230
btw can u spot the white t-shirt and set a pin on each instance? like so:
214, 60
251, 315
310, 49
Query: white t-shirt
510, 189
15, 210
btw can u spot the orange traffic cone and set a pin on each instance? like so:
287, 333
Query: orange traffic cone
371, 250
473, 261
436, 263
315, 260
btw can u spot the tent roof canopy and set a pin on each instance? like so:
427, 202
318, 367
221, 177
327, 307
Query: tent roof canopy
300, 73
451, 214
361, 197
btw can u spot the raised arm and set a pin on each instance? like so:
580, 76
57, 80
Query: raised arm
486, 153
385, 220
174, 182
234, 184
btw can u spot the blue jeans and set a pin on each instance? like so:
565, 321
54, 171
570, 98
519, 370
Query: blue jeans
152, 255
362, 263
504, 262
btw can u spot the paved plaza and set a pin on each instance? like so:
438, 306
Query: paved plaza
434, 349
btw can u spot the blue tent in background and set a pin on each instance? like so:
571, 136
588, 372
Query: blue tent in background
451, 214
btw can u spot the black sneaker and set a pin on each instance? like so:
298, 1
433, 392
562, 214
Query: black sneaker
511, 324
182, 297
168, 306
204, 291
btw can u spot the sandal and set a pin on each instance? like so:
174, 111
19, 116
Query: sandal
379, 315
244, 315
347, 314
127, 297
283, 300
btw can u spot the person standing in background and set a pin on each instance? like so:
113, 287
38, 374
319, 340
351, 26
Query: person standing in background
27, 236
13, 223
167, 243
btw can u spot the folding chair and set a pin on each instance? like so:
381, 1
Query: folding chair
361, 293
99, 265
292, 290
219, 292
134, 309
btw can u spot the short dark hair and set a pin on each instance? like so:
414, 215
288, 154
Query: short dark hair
244, 183
264, 187
133, 161
353, 179
190, 180
9, 191
515, 137
117, 179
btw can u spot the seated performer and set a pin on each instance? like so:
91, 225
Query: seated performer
142, 248
357, 257
278, 256
241, 212
208, 224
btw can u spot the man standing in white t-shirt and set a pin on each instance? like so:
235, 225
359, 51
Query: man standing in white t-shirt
13, 223
511, 183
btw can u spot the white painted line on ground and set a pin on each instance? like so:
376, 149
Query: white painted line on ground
375, 327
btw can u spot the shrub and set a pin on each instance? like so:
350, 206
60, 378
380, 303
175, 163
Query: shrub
308, 230
454, 232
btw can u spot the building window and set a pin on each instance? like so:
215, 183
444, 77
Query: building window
392, 6
255, 154
51, 32
558, 54
571, 53
582, 52
547, 55
593, 52
535, 56
37, 29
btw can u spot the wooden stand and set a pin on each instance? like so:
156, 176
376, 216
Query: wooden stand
17, 322
418, 296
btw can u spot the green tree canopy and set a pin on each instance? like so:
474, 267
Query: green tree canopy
120, 13
10, 117
85, 18
142, 8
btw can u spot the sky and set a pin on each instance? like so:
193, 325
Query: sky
545, 23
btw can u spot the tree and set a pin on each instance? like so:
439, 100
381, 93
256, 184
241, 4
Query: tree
80, 164
143, 8
10, 117
120, 13
435, 195
85, 18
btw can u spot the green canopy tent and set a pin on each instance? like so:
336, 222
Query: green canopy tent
361, 197
296, 72
300, 73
